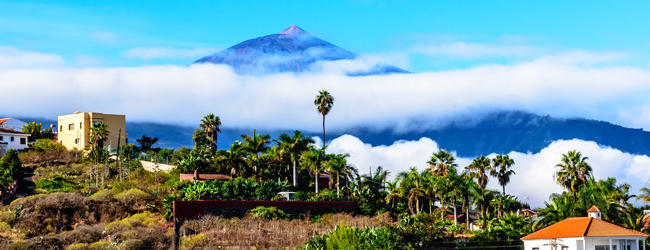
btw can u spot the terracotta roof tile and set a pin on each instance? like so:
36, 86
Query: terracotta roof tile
593, 209
10, 131
3, 120
583, 226
604, 228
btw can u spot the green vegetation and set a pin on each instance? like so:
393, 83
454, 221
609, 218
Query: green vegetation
88, 200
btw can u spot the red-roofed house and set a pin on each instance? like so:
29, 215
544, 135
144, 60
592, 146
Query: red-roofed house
203, 177
12, 139
585, 233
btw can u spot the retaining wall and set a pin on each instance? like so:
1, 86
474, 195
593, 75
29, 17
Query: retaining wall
195, 209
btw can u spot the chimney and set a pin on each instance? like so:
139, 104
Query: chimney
594, 212
196, 174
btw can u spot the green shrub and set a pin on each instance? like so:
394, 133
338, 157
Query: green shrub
343, 238
197, 241
4, 226
47, 145
268, 213
54, 184
133, 197
8, 217
102, 195
100, 245
78, 246
19, 245
132, 244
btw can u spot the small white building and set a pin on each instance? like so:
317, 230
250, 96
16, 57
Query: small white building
11, 124
11, 139
585, 233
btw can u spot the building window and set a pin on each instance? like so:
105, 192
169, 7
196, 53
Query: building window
565, 248
81, 125
1, 139
535, 248
76, 141
71, 126
23, 141
12, 138
61, 128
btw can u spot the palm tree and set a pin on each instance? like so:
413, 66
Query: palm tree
257, 143
211, 123
441, 162
480, 167
234, 158
324, 101
294, 145
98, 134
573, 171
501, 170
645, 195
313, 159
393, 192
412, 184
337, 164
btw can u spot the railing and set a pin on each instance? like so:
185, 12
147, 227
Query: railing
155, 158
219, 198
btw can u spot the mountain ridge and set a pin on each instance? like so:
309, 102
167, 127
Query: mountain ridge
291, 50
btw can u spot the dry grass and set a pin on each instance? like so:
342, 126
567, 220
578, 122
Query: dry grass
269, 233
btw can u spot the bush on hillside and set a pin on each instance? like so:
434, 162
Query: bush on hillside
268, 213
133, 197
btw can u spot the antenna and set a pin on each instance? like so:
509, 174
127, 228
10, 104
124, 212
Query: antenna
554, 243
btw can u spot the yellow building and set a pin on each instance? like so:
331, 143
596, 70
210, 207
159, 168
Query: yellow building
74, 129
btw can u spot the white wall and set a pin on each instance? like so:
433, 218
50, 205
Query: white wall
572, 243
6, 137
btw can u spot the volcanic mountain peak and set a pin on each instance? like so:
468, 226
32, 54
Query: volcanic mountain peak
293, 31
292, 50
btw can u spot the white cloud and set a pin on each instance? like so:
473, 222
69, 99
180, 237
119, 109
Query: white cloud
167, 53
561, 85
12, 57
534, 172
464, 50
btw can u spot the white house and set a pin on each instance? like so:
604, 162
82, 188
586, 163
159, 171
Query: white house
585, 233
11, 139
11, 124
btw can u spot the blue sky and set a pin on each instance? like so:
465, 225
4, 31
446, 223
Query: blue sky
97, 33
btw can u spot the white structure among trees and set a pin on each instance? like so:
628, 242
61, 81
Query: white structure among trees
585, 233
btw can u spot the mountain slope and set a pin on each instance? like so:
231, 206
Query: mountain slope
292, 50
497, 132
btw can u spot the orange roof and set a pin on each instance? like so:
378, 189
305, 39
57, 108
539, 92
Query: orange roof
3, 120
593, 209
583, 226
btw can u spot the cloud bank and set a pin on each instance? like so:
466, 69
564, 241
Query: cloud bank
149, 53
534, 172
574, 83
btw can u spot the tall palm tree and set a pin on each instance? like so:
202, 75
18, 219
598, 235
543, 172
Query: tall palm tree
337, 164
441, 162
573, 171
324, 101
294, 145
480, 168
313, 159
501, 170
211, 124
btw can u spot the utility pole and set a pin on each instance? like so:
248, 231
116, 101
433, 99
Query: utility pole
117, 162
